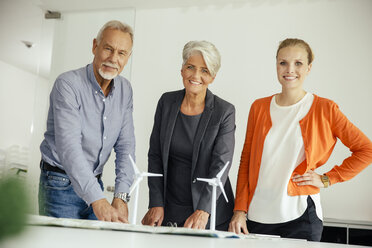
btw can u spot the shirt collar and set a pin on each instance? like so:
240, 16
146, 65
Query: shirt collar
93, 80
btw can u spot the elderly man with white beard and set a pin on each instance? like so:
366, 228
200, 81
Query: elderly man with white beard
90, 114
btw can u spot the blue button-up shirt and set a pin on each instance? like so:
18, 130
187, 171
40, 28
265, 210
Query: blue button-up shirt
84, 126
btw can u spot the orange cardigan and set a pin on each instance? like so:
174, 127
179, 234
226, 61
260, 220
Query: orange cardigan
320, 129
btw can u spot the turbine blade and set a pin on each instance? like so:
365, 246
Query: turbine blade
148, 174
223, 190
208, 180
136, 171
134, 186
223, 170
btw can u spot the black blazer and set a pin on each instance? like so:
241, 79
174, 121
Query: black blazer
213, 147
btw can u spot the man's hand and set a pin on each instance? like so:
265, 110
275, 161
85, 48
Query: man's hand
238, 223
105, 212
198, 220
154, 216
122, 209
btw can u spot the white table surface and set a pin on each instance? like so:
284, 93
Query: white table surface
66, 237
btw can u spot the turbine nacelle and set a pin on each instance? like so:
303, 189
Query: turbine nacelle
215, 182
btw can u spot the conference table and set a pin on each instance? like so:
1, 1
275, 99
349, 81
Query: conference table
51, 232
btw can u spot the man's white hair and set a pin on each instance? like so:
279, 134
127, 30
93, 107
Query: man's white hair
116, 25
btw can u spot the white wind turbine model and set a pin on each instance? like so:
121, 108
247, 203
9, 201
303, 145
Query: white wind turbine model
138, 176
215, 182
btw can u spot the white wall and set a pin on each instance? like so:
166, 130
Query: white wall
17, 89
247, 36
23, 100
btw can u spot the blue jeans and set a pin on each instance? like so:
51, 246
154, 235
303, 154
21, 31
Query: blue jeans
57, 197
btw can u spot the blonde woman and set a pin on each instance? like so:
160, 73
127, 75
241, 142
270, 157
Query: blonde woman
289, 135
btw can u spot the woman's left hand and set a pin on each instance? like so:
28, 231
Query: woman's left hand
309, 178
198, 220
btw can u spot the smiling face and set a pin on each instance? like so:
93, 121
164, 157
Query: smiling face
292, 67
195, 74
111, 54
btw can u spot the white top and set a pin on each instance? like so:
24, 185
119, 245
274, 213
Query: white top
283, 151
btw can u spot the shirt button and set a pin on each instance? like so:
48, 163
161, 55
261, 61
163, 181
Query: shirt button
96, 92
104, 118
104, 100
100, 155
104, 137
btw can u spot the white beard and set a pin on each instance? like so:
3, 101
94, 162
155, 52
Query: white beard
107, 76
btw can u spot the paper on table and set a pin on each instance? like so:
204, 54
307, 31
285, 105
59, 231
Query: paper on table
39, 220
95, 224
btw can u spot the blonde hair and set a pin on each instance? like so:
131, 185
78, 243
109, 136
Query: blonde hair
289, 42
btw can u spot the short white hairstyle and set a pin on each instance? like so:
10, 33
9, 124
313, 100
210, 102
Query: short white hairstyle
116, 25
208, 51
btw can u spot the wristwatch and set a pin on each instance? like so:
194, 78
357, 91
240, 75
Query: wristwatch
325, 180
124, 196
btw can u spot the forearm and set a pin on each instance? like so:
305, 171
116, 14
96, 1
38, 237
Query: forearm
242, 185
358, 143
156, 192
125, 146
156, 184
78, 169
242, 189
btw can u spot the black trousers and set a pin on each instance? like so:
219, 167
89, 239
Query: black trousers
308, 226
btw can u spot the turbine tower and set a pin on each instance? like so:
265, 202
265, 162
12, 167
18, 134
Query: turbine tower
214, 182
138, 176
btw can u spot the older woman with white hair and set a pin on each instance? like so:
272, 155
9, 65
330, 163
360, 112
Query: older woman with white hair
192, 136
